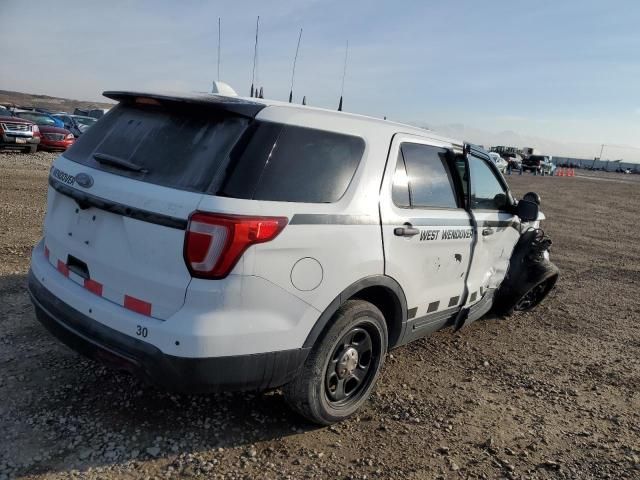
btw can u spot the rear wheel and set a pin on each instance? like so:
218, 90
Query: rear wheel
343, 367
31, 149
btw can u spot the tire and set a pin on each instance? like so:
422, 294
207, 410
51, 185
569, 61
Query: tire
534, 296
327, 389
31, 149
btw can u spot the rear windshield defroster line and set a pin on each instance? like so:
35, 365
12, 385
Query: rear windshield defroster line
86, 200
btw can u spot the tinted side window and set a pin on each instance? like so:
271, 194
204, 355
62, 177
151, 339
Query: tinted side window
293, 164
486, 190
430, 183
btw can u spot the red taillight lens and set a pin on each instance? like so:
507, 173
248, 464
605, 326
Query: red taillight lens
35, 130
214, 242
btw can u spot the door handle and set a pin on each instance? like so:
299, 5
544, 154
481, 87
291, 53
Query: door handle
487, 231
406, 231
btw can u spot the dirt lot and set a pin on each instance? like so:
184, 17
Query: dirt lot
550, 394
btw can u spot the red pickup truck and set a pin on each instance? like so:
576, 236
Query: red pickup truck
18, 134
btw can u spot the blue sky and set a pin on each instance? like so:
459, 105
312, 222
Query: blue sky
564, 70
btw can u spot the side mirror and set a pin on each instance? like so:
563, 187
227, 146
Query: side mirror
532, 197
527, 210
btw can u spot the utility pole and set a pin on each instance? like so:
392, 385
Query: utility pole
599, 158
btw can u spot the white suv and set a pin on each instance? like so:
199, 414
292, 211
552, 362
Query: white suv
206, 242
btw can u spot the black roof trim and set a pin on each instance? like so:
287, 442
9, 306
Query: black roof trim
478, 150
235, 106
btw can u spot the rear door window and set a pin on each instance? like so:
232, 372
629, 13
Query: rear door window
172, 148
425, 172
292, 164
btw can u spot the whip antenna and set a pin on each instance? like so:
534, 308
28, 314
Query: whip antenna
293, 73
219, 38
344, 74
255, 56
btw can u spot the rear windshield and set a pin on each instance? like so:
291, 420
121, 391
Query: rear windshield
170, 148
221, 154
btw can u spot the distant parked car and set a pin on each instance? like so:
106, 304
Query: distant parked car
538, 164
514, 161
500, 162
18, 133
77, 124
547, 166
53, 135
91, 112
39, 118
55, 138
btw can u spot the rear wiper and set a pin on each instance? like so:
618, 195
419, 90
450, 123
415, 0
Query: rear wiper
118, 162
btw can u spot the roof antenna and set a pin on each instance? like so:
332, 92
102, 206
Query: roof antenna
304, 100
255, 57
261, 95
344, 74
219, 37
293, 73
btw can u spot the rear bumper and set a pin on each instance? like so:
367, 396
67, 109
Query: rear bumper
257, 371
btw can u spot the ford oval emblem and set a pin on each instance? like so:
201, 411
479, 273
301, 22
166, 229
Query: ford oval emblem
84, 180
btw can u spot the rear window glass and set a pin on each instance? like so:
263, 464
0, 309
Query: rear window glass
429, 181
292, 164
178, 149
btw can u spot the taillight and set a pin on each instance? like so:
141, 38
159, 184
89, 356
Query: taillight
35, 130
215, 242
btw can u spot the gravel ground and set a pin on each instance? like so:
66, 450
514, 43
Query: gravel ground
554, 393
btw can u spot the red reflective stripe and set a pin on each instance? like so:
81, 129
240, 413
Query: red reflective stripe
62, 268
93, 286
137, 305
46, 252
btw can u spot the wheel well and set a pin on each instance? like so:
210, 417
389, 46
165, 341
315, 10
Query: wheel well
380, 290
390, 306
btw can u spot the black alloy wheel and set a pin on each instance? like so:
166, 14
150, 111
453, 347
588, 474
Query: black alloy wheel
350, 369
343, 366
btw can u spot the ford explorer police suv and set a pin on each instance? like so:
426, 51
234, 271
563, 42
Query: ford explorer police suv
206, 242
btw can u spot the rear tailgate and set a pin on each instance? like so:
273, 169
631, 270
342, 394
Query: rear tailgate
129, 250
120, 198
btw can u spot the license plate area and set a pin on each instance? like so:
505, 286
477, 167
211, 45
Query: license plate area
21, 140
84, 225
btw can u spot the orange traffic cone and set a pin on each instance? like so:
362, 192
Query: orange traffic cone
572, 173
560, 172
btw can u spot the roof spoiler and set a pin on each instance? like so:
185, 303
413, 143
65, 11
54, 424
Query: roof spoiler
200, 101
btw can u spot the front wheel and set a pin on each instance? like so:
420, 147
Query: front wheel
343, 367
534, 296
